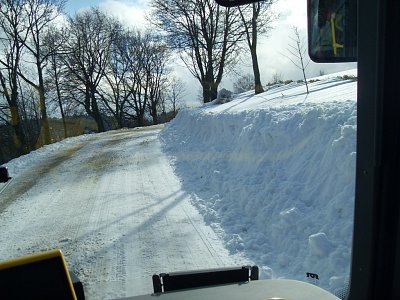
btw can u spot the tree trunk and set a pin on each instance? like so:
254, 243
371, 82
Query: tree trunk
303, 68
58, 91
154, 114
210, 88
253, 49
43, 110
206, 92
96, 114
92, 108
60, 104
45, 127
18, 139
214, 92
258, 88
140, 120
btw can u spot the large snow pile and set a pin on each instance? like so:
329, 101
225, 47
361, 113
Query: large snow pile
273, 174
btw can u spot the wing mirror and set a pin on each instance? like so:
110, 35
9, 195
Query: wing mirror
4, 176
332, 30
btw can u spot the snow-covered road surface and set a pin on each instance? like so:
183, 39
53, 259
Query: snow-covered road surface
112, 203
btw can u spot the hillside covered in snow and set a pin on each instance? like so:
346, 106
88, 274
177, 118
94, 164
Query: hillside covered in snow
274, 175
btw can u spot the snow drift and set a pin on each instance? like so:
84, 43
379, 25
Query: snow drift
273, 174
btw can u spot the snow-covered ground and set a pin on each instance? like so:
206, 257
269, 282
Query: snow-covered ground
113, 205
274, 175
265, 179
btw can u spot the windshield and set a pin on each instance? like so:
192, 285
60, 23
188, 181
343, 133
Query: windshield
139, 148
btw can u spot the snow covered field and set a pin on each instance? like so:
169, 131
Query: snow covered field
271, 175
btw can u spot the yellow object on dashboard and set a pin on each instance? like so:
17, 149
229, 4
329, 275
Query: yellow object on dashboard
38, 276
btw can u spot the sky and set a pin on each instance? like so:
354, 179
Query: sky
272, 49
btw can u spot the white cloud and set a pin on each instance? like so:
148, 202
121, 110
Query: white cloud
292, 13
131, 13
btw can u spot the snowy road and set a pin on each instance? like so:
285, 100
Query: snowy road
112, 203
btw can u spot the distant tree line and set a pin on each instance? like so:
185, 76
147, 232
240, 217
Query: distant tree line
88, 64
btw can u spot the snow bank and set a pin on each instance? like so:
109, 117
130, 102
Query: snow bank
20, 164
273, 174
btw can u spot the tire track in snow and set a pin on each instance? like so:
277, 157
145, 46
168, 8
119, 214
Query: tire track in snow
117, 211
204, 239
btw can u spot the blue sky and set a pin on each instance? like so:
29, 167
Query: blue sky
74, 5
271, 49
130, 12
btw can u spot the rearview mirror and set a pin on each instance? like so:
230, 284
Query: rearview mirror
231, 3
332, 30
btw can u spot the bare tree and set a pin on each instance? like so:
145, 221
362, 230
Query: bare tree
257, 19
30, 114
205, 34
54, 41
140, 81
14, 33
157, 68
244, 83
116, 92
277, 77
88, 49
176, 90
135, 76
40, 14
298, 53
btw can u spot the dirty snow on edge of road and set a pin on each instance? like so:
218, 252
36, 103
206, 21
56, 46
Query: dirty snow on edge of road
115, 208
